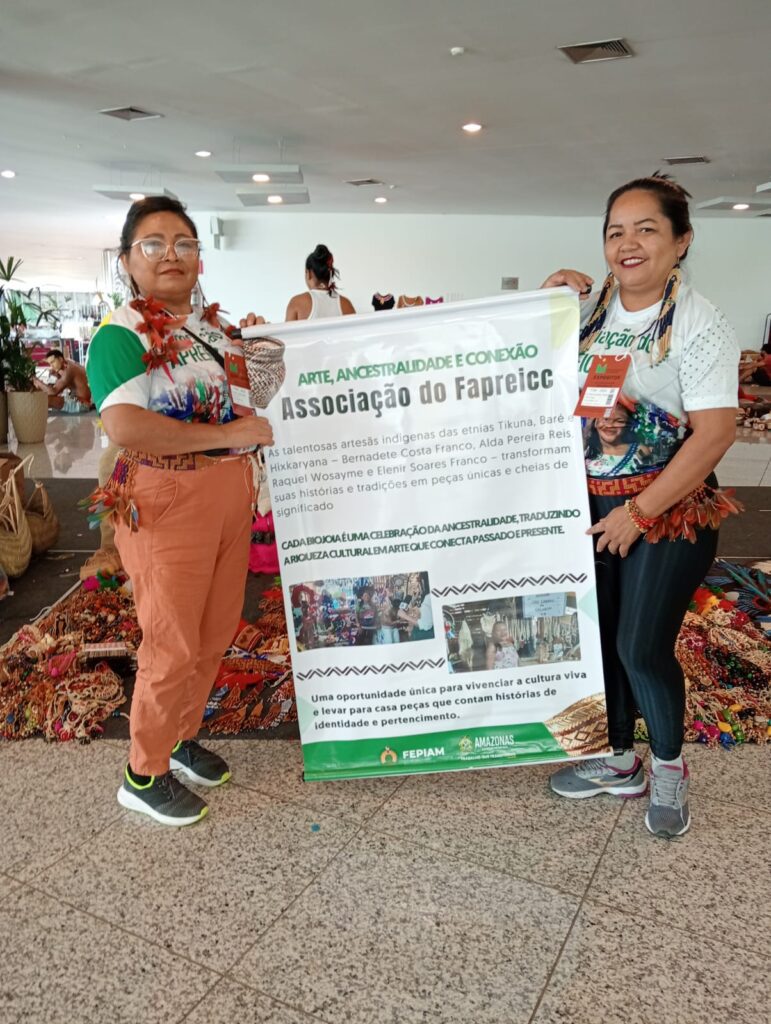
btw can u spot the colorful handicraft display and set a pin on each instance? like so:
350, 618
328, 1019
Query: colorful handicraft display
50, 685
726, 658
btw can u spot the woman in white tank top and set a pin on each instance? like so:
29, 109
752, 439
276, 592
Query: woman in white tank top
322, 299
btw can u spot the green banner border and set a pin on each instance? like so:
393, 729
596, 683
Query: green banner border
457, 750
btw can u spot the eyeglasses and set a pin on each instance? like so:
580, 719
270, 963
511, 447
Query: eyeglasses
155, 249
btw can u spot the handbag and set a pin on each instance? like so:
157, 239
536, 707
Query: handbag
15, 536
42, 519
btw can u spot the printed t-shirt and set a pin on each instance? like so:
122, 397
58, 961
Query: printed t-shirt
195, 390
650, 421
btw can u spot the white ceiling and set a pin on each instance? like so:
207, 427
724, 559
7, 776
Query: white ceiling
356, 88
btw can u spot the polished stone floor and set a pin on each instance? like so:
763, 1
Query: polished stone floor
469, 897
474, 897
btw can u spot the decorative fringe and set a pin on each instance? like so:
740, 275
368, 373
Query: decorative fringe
115, 500
704, 507
661, 328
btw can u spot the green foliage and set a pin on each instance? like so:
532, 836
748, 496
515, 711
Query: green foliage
17, 370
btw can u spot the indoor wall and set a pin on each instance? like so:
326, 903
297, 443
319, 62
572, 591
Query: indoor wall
260, 264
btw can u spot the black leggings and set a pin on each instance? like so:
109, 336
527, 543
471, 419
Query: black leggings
642, 602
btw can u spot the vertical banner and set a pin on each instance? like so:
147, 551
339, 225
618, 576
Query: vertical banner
430, 505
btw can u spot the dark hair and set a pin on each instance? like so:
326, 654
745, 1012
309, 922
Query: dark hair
144, 208
321, 264
593, 444
54, 352
673, 200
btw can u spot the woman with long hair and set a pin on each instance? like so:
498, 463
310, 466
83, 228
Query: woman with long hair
655, 531
322, 298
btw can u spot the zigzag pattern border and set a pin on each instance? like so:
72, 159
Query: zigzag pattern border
369, 670
532, 581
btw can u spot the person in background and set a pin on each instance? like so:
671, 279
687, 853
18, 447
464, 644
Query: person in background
418, 614
655, 532
181, 497
501, 652
322, 299
70, 393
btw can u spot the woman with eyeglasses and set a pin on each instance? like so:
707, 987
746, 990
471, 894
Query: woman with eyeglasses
180, 497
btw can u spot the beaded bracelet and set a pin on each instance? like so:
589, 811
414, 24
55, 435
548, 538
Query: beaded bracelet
640, 522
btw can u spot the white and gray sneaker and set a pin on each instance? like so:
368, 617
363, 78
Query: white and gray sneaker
668, 815
583, 779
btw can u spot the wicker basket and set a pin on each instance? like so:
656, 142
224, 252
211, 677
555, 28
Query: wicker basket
582, 728
15, 537
265, 368
42, 519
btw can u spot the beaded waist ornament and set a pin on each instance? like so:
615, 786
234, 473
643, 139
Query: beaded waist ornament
703, 508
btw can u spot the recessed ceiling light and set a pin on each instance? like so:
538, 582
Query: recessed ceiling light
741, 206
275, 200
7, 174
203, 153
472, 127
261, 179
136, 196
381, 199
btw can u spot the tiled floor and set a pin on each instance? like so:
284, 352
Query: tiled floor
474, 897
470, 897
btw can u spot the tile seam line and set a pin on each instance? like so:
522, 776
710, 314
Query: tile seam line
574, 894
312, 881
547, 982
280, 1002
331, 814
659, 919
121, 928
75, 848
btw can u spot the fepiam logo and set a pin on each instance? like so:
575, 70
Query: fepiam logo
465, 746
389, 756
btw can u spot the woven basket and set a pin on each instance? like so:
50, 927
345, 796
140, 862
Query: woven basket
265, 368
15, 538
582, 728
42, 519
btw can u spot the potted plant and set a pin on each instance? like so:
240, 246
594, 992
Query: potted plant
28, 407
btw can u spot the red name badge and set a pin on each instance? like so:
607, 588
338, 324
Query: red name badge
604, 382
238, 382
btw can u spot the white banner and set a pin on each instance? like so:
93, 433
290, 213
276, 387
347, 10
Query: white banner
430, 505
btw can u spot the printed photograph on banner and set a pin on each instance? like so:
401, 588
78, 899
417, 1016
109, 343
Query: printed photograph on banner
362, 611
635, 438
511, 632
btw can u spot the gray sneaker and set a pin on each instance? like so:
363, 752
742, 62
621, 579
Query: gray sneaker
163, 798
198, 765
668, 815
583, 779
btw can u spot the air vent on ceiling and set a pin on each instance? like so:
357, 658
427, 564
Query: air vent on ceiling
130, 113
590, 53
679, 161
359, 182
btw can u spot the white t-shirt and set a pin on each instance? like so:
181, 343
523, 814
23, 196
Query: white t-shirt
700, 371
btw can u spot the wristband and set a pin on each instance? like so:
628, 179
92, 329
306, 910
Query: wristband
639, 521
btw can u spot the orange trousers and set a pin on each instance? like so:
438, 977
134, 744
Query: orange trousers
187, 563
